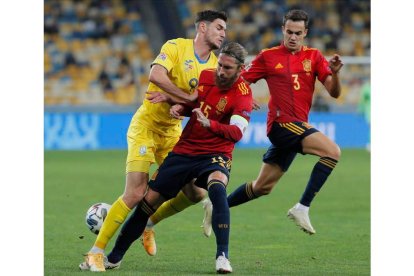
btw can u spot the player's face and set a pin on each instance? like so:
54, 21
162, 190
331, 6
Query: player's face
228, 70
294, 32
216, 32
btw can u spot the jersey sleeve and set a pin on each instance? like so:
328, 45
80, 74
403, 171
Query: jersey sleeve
242, 110
168, 55
322, 67
256, 70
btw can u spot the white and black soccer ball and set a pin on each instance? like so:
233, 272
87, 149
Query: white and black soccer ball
96, 215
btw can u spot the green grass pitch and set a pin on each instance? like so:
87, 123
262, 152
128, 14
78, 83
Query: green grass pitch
262, 240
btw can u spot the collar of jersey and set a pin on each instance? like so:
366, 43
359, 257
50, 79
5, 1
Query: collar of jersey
200, 60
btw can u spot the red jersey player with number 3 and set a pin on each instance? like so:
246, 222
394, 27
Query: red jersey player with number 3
290, 71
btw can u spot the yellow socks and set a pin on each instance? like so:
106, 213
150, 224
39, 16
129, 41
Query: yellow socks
171, 207
116, 216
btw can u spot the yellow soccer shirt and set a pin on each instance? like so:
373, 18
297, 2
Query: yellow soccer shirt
184, 68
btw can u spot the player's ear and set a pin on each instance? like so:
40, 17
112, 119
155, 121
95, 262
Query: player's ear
203, 26
305, 32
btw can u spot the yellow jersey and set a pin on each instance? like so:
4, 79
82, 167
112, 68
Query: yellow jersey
184, 68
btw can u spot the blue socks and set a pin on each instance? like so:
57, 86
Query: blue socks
241, 195
320, 173
221, 216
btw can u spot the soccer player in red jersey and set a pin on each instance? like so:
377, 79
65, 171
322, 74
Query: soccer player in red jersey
290, 71
204, 152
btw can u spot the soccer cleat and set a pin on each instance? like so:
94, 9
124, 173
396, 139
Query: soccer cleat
208, 212
93, 262
301, 218
223, 265
148, 241
109, 265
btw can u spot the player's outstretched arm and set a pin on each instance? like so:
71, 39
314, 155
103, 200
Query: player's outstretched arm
159, 76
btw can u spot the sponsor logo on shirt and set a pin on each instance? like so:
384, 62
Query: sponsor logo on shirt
162, 56
279, 66
188, 65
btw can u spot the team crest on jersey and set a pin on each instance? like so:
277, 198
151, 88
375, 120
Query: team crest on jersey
188, 65
307, 65
142, 150
221, 104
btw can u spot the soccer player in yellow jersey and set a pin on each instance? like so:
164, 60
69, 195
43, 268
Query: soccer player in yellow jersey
153, 132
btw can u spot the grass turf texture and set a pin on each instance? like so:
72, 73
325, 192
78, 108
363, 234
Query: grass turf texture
262, 240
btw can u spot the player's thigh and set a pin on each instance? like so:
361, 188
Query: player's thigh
212, 167
135, 188
277, 155
319, 144
172, 176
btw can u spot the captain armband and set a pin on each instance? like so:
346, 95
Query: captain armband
240, 122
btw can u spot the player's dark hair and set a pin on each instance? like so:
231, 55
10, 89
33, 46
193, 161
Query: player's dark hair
235, 50
210, 16
296, 15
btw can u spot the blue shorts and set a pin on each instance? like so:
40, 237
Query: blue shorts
177, 170
286, 139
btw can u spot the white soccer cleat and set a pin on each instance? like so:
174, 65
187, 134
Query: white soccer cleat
109, 265
208, 212
301, 218
223, 265
93, 262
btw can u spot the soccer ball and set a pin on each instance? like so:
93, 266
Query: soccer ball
96, 215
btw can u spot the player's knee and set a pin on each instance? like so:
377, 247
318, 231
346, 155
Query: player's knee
261, 189
265, 190
194, 193
132, 198
198, 196
335, 152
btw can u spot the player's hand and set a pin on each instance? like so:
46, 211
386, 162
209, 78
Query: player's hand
255, 105
201, 118
156, 97
193, 96
335, 63
175, 111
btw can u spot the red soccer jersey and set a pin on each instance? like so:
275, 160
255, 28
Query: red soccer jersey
291, 80
219, 105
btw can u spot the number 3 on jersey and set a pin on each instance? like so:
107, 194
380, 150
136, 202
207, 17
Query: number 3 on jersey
296, 84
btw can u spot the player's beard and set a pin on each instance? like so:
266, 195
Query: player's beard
225, 83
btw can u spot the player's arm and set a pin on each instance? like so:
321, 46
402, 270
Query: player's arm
234, 131
238, 121
179, 110
159, 76
332, 82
